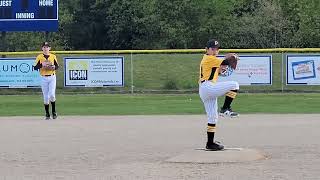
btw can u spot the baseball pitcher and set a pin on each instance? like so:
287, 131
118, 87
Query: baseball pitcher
211, 68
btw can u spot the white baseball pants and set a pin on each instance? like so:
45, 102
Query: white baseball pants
209, 93
48, 86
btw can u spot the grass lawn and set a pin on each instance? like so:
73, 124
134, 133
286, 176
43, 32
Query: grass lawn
126, 104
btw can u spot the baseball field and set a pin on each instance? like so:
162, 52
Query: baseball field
138, 147
109, 133
121, 80
134, 136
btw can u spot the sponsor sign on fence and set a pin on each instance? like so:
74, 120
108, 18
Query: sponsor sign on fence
18, 73
93, 71
252, 70
303, 69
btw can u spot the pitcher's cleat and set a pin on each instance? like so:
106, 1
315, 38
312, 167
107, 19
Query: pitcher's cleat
214, 146
228, 113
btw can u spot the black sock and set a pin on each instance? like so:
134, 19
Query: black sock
210, 137
46, 107
210, 133
228, 100
53, 106
227, 103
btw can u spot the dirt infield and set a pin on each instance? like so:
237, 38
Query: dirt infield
137, 147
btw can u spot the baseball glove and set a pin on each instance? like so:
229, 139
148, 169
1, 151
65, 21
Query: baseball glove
225, 71
232, 59
47, 65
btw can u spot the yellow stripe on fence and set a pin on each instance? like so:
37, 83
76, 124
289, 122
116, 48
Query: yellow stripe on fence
274, 50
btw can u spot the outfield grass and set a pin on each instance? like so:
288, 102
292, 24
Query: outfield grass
156, 104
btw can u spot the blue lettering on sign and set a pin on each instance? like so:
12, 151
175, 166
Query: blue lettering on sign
23, 67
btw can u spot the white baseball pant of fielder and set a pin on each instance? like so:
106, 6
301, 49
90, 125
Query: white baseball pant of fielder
48, 86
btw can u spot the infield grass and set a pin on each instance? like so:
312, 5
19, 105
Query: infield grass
126, 104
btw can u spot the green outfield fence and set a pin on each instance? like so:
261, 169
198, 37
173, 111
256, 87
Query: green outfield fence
168, 71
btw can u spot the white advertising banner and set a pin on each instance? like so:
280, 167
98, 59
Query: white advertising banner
303, 69
252, 70
94, 71
18, 73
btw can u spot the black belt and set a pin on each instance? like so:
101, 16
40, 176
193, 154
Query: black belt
49, 75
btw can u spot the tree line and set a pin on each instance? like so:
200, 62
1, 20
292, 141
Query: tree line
175, 24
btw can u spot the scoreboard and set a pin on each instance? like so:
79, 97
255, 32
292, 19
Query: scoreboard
28, 15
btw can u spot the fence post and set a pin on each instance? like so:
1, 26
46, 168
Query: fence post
3, 45
282, 72
131, 66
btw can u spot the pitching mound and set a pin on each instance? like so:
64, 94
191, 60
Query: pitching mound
229, 155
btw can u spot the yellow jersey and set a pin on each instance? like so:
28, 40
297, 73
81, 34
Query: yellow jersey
51, 58
209, 68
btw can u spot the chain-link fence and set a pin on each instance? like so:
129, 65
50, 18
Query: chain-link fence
168, 71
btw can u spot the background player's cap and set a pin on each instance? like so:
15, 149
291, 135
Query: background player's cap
45, 44
212, 43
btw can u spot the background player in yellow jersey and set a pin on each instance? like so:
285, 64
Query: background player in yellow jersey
210, 90
48, 64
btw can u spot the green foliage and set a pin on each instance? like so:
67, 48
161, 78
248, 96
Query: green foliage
260, 28
308, 34
170, 85
155, 24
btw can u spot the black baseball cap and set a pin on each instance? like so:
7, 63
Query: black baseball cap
46, 44
212, 43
